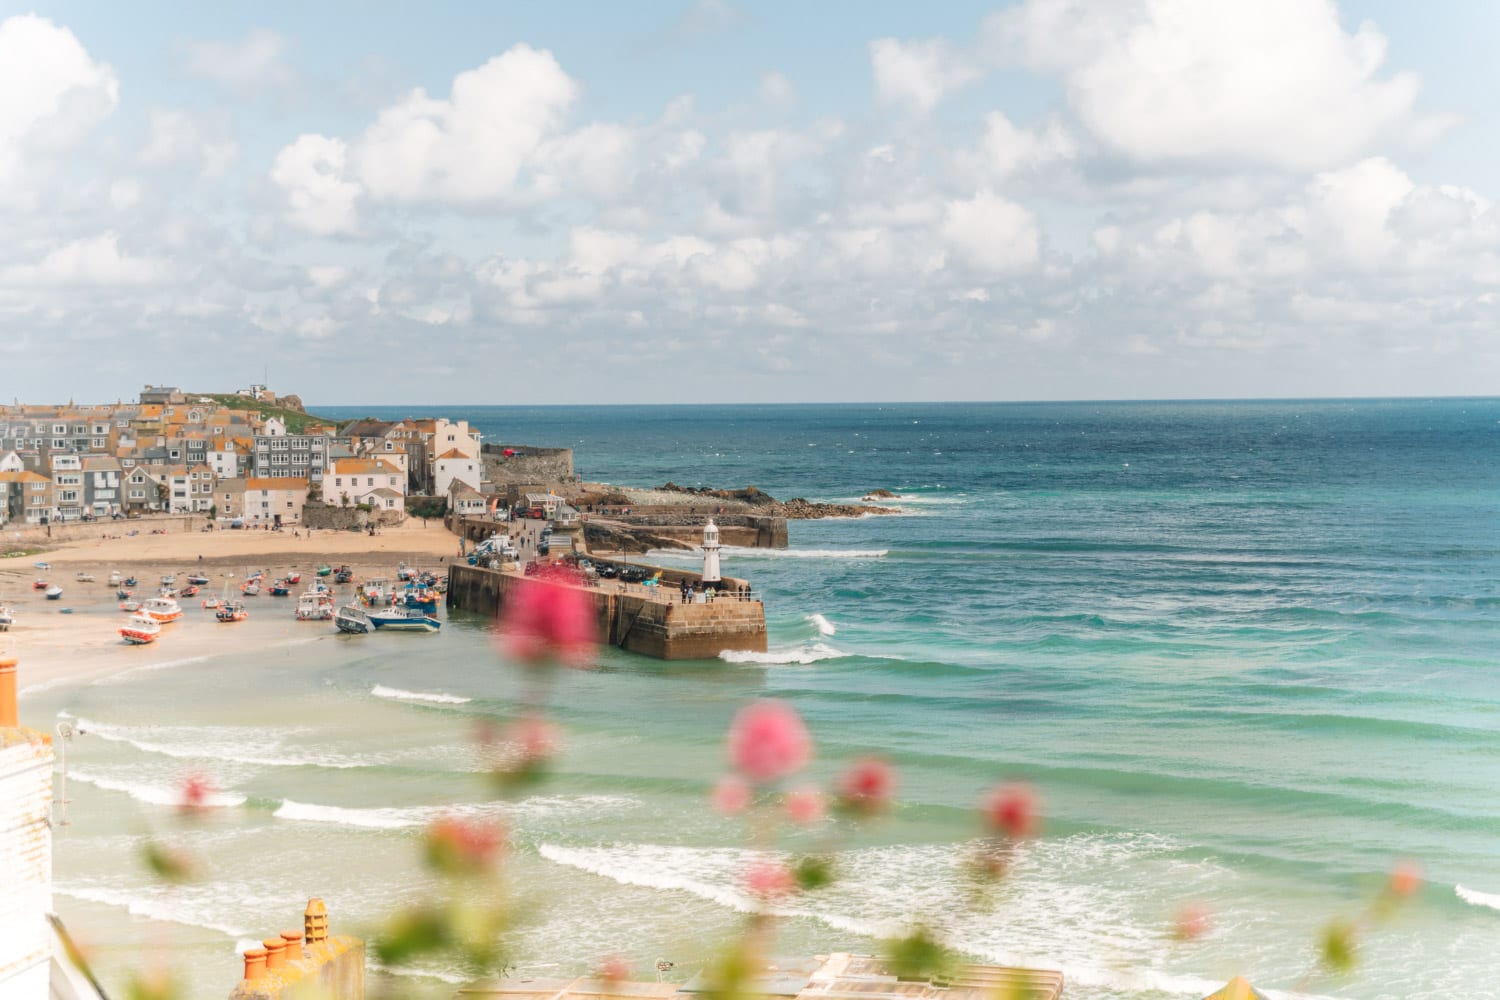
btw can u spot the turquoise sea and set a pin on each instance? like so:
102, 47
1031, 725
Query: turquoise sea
1246, 651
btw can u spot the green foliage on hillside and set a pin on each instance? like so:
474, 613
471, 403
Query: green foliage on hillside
295, 420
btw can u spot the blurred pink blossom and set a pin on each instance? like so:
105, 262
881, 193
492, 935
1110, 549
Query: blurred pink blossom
543, 621
867, 786
770, 880
193, 792
731, 795
768, 741
1405, 879
1011, 810
1193, 921
804, 805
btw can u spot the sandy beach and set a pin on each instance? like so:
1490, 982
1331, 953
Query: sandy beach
56, 648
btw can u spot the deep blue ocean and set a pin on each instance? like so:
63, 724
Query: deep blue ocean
1246, 652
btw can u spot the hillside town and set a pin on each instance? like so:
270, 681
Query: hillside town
246, 460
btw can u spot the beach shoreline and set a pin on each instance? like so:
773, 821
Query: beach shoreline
84, 647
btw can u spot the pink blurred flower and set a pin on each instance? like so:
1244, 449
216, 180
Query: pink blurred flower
770, 880
457, 845
544, 621
612, 969
1405, 879
520, 752
867, 786
1011, 810
1193, 921
731, 795
193, 792
768, 741
804, 805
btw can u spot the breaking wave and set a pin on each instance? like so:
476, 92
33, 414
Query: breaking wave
156, 795
798, 655
406, 817
1473, 897
438, 698
825, 627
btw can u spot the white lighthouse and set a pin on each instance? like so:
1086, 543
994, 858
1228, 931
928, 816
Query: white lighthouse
711, 554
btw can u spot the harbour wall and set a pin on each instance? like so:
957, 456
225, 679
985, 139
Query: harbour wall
632, 618
19, 535
527, 465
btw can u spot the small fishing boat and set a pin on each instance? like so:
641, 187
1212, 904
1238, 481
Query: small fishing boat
42, 565
421, 598
197, 579
280, 589
114, 578
315, 606
404, 572
7, 618
251, 589
54, 593
170, 580
191, 590
232, 612
123, 594
294, 578
404, 620
375, 592
140, 629
324, 570
210, 603
343, 575
130, 581
39, 585
163, 609
131, 606
351, 618
83, 577
165, 592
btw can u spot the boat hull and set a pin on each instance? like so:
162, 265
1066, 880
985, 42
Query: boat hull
404, 623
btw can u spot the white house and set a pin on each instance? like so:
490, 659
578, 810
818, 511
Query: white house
350, 481
454, 466
67, 485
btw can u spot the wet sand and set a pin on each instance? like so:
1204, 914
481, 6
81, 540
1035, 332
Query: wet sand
56, 648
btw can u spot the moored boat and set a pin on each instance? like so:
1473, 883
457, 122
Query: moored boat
351, 618
163, 609
421, 598
280, 589
210, 603
343, 574
140, 629
83, 577
130, 581
316, 605
235, 612
170, 580
54, 593
39, 585
124, 594
250, 589
404, 620
191, 590
131, 606
294, 577
7, 617
115, 578
324, 570
197, 579
375, 592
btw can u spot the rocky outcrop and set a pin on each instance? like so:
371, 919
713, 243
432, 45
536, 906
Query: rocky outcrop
751, 500
606, 537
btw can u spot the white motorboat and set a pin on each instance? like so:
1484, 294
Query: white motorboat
399, 619
351, 618
162, 609
54, 593
140, 629
316, 605
7, 618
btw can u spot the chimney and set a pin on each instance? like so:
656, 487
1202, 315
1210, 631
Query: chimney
255, 964
283, 968
10, 716
315, 922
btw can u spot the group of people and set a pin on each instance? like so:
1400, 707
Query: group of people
690, 592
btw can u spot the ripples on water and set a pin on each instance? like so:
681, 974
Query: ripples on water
1245, 650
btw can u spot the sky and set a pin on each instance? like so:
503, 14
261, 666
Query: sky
725, 201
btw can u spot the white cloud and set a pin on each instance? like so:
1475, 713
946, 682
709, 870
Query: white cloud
250, 66
474, 145
311, 173
1005, 150
777, 90
1278, 82
52, 92
991, 234
94, 261
919, 73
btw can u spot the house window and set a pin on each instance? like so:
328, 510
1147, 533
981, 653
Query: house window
369, 480
390, 502
289, 505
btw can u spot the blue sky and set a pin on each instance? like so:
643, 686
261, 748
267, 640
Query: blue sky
704, 201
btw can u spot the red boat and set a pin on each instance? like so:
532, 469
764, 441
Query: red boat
191, 590
40, 585
294, 577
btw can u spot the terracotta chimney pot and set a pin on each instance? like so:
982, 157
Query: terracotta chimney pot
293, 941
255, 964
315, 922
275, 953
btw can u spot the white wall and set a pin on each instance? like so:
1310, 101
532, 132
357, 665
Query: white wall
25, 869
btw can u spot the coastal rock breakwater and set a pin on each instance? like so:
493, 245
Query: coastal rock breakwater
761, 502
646, 620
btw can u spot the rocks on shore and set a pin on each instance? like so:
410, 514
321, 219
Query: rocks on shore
751, 500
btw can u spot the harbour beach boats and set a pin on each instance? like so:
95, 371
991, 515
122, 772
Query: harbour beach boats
324, 569
235, 612
423, 599
197, 579
191, 590
7, 617
375, 592
39, 584
343, 574
123, 594
280, 589
315, 606
162, 609
403, 620
54, 593
83, 577
251, 589
131, 606
130, 581
351, 618
210, 603
114, 578
294, 578
140, 629
170, 580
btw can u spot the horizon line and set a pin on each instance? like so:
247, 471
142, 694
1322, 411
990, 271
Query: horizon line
949, 402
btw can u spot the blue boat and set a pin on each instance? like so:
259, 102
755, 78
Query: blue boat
403, 620
424, 601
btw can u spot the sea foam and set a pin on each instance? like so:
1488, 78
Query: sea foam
435, 698
824, 626
405, 817
798, 655
1475, 898
156, 795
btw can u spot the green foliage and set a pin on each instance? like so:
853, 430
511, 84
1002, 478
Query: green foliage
435, 507
295, 420
813, 871
918, 956
364, 507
